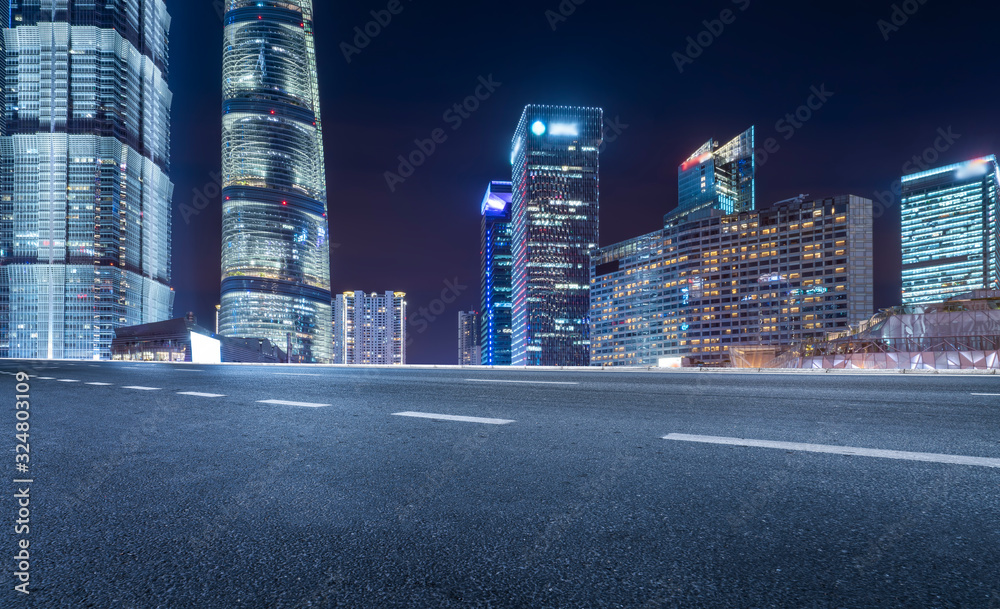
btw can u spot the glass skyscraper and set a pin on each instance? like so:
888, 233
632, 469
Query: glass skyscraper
84, 191
950, 231
275, 246
719, 176
497, 264
554, 231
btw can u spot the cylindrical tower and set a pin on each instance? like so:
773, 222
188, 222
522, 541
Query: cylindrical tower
275, 247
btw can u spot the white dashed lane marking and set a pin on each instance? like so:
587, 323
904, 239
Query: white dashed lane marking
141, 388
840, 450
201, 395
100, 384
286, 403
449, 417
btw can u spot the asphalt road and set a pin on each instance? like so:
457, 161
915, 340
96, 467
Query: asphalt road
155, 498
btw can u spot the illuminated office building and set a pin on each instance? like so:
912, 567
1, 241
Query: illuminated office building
275, 245
85, 196
950, 231
468, 338
497, 264
369, 328
554, 230
719, 176
771, 278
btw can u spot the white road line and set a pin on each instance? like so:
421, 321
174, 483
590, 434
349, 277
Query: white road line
141, 388
201, 395
294, 374
840, 450
68, 381
990, 394
448, 417
522, 382
99, 384
285, 403
46, 378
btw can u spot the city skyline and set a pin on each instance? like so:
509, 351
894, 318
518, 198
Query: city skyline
655, 122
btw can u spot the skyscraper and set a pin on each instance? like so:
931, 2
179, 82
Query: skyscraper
495, 331
84, 191
369, 328
275, 246
719, 176
950, 233
554, 231
469, 353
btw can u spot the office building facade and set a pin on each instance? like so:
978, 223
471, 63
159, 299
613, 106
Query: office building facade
719, 176
275, 244
85, 197
772, 278
496, 272
950, 230
468, 338
554, 231
370, 328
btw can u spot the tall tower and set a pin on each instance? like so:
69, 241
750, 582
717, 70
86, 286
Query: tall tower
84, 193
496, 266
275, 245
554, 232
951, 231
719, 176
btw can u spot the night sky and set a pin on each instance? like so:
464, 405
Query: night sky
890, 97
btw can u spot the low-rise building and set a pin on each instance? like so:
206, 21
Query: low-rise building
708, 280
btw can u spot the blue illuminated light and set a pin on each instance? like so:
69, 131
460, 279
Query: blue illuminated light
564, 129
538, 128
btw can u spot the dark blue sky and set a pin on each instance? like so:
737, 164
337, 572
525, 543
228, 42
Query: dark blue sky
890, 97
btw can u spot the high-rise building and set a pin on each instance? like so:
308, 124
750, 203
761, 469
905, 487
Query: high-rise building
950, 233
275, 245
554, 230
708, 281
468, 339
369, 328
497, 264
85, 213
719, 176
